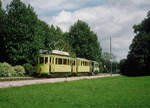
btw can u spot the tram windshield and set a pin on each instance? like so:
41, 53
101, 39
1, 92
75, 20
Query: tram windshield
41, 60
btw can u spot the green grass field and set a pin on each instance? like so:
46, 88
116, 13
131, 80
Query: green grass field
111, 92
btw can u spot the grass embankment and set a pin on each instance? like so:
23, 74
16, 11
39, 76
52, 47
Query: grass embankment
111, 92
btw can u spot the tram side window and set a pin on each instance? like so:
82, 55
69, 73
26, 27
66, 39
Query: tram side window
46, 60
59, 61
41, 60
82, 63
53, 60
64, 61
87, 63
56, 61
50, 59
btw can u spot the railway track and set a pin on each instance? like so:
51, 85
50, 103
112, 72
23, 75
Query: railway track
15, 82
36, 78
16, 78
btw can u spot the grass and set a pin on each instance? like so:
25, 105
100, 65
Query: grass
111, 92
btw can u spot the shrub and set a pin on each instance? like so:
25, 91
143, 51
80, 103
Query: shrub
0, 69
7, 70
29, 69
19, 70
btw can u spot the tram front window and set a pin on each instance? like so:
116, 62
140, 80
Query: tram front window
41, 60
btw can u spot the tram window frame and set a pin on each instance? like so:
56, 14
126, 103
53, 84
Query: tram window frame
41, 60
46, 60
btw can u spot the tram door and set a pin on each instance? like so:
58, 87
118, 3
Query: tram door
46, 65
73, 66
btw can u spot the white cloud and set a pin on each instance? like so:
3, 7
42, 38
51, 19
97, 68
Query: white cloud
105, 21
141, 2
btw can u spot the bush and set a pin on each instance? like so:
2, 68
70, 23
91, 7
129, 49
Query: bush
7, 70
19, 70
0, 69
29, 69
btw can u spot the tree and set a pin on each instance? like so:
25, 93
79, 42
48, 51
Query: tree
0, 4
84, 41
3, 30
57, 40
138, 59
24, 35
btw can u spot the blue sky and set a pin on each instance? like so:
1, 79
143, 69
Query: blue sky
113, 18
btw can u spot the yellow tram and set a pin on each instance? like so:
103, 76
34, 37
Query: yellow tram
61, 62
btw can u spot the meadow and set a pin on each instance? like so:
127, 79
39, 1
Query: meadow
110, 92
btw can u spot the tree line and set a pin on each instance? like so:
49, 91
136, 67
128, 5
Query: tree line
138, 58
23, 34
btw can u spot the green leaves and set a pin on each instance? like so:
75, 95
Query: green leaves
0, 4
84, 41
24, 34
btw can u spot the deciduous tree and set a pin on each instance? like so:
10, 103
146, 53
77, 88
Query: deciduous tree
84, 41
138, 59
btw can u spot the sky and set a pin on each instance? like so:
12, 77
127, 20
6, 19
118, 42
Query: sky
114, 18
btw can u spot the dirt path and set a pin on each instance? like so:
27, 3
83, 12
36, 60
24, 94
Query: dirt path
6, 84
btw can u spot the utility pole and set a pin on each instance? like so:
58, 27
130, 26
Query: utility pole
110, 58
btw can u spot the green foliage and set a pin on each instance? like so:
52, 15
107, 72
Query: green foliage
101, 68
29, 69
84, 41
24, 35
3, 30
138, 60
1, 69
0, 4
19, 70
7, 70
